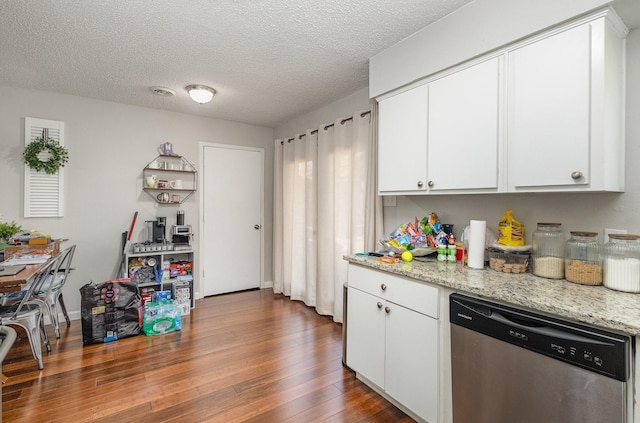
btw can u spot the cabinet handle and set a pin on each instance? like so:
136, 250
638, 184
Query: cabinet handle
576, 175
379, 304
420, 184
431, 184
387, 309
256, 227
383, 287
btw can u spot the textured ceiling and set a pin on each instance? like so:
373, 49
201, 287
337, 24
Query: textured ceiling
269, 60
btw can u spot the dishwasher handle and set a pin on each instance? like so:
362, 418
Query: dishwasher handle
541, 328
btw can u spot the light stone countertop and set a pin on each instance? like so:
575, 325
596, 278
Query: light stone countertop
592, 305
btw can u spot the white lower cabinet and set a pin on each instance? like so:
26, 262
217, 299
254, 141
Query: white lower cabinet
393, 343
411, 361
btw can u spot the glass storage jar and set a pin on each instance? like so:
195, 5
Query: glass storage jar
583, 263
547, 258
621, 263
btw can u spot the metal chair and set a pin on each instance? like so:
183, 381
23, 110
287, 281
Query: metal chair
51, 291
27, 313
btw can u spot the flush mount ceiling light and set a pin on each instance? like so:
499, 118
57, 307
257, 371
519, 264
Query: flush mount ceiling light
163, 91
200, 93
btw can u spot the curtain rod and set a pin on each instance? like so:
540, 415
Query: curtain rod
315, 131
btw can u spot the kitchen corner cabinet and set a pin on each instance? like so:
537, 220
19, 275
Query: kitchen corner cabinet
177, 172
392, 339
565, 109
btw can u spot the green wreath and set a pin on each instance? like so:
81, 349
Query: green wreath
58, 155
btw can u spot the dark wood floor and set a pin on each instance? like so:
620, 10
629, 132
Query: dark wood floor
249, 356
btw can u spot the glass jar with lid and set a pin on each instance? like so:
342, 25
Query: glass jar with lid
583, 263
621, 262
547, 258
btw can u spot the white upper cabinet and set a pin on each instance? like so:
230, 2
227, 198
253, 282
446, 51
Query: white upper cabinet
442, 136
402, 146
463, 129
545, 114
564, 111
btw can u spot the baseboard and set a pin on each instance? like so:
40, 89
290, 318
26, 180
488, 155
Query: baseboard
74, 315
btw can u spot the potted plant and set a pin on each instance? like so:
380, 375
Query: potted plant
7, 231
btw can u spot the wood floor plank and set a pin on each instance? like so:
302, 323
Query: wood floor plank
246, 357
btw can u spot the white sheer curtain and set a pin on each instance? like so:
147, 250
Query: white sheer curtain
326, 206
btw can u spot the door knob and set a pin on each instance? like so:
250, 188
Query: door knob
379, 304
576, 175
387, 310
383, 287
256, 227
431, 184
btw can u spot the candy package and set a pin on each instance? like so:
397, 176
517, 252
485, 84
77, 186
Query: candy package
421, 237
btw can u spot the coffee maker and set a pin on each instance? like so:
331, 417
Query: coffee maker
156, 230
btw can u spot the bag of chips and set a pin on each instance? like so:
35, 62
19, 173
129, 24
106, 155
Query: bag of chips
511, 231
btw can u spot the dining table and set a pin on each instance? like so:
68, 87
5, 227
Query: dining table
19, 280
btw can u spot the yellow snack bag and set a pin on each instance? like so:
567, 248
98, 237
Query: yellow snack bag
511, 231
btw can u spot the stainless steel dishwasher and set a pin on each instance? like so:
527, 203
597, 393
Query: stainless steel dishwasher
510, 365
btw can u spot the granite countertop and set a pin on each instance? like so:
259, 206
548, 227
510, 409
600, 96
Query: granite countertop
593, 305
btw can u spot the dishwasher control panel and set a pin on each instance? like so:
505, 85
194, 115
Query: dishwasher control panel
604, 352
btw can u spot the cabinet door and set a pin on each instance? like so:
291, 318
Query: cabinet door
366, 335
411, 374
463, 127
549, 115
402, 141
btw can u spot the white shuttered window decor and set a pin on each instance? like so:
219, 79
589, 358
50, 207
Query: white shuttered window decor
43, 193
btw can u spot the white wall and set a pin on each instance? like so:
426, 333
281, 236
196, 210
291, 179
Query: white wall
345, 107
109, 144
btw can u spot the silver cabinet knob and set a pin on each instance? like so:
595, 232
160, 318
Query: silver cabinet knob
576, 175
420, 184
256, 227
383, 287
387, 310
430, 183
379, 304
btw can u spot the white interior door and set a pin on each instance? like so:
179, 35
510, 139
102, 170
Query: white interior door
232, 193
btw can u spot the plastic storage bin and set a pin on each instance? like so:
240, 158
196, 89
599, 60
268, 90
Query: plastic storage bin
508, 261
